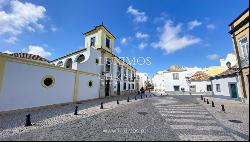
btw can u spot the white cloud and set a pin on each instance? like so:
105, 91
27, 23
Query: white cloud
38, 50
193, 24
53, 29
11, 40
211, 26
213, 57
124, 41
139, 17
8, 52
21, 16
141, 35
171, 40
161, 18
118, 50
142, 45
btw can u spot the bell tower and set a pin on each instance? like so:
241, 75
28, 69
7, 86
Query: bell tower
100, 37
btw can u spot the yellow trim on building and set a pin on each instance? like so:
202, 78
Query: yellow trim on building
2, 65
76, 87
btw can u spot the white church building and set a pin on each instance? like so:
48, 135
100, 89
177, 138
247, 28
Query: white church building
28, 81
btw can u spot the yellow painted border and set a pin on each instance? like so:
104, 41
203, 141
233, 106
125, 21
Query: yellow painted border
76, 87
5, 58
48, 76
2, 65
91, 83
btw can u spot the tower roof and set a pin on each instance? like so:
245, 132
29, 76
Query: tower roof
98, 27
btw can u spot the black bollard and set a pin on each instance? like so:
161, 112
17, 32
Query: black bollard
201, 97
117, 102
101, 105
161, 94
146, 96
213, 104
141, 96
28, 122
223, 108
76, 109
128, 99
207, 101
135, 98
204, 100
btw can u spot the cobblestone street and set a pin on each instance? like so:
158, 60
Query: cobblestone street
173, 117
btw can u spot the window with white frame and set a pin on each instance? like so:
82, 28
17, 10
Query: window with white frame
244, 47
218, 88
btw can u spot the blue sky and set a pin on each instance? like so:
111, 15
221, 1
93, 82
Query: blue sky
185, 33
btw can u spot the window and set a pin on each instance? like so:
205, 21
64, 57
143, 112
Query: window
124, 73
90, 83
60, 63
92, 41
209, 88
133, 76
176, 88
80, 58
218, 88
244, 47
133, 86
48, 81
128, 86
68, 64
119, 70
108, 42
97, 61
175, 76
129, 75
108, 65
124, 86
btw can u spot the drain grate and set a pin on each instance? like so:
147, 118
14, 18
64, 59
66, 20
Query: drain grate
235, 121
142, 113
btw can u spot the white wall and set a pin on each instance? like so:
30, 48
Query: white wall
85, 92
89, 65
164, 81
201, 86
22, 87
224, 86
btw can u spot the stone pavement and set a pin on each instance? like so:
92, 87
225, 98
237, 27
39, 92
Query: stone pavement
234, 110
169, 118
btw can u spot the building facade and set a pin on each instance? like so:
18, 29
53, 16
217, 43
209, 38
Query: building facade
227, 84
173, 79
239, 30
89, 73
